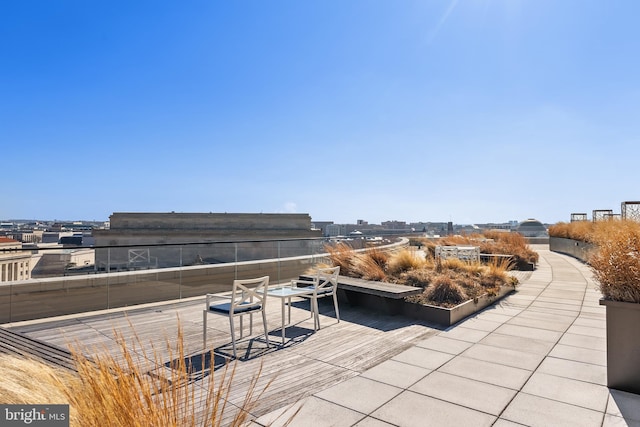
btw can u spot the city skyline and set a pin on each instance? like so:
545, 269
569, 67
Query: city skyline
364, 222
471, 112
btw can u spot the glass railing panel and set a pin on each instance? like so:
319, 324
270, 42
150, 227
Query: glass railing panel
129, 275
77, 294
256, 250
5, 303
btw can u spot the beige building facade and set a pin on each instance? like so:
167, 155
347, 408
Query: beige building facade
150, 240
15, 264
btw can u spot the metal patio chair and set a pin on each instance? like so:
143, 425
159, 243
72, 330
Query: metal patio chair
247, 296
325, 284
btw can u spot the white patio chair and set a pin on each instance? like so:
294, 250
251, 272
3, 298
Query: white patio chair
247, 296
324, 283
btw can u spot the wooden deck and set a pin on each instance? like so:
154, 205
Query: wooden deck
307, 363
15, 343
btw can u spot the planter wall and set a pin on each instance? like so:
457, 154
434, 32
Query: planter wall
574, 248
429, 313
623, 345
450, 316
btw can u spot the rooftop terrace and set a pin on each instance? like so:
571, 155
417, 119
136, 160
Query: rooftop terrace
535, 358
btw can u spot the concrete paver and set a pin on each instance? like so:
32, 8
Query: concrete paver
489, 372
423, 357
477, 395
311, 411
360, 394
504, 356
527, 345
411, 409
465, 334
445, 345
574, 392
584, 341
551, 325
372, 422
529, 332
594, 357
537, 411
481, 324
576, 370
396, 373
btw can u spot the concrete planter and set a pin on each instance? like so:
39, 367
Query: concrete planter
623, 345
450, 316
429, 313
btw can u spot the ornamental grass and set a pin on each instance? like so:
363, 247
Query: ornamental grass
577, 230
403, 261
615, 263
445, 289
497, 243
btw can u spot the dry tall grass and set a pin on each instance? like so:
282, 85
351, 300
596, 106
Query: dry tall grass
121, 390
366, 267
496, 242
509, 244
403, 261
446, 290
17, 385
577, 230
341, 254
616, 261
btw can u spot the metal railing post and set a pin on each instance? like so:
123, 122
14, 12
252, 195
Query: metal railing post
235, 245
180, 275
108, 274
279, 257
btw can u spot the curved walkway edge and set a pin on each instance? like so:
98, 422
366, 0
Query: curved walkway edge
536, 358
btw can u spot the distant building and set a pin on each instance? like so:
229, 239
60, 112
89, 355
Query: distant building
57, 261
15, 264
322, 226
173, 239
395, 225
333, 230
532, 228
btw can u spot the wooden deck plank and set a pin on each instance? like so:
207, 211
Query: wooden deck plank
15, 343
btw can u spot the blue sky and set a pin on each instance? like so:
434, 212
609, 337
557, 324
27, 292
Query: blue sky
435, 110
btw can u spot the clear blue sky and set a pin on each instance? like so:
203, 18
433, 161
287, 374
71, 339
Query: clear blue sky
471, 110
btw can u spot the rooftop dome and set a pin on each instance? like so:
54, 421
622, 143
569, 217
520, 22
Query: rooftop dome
532, 228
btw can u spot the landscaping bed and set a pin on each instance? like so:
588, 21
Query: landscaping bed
448, 290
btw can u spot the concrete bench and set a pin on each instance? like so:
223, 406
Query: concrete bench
379, 296
19, 344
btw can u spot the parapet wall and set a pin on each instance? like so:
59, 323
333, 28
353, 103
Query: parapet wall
575, 248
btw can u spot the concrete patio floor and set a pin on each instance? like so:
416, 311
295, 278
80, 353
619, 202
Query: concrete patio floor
537, 358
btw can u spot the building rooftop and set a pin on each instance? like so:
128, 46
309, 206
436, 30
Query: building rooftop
537, 357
